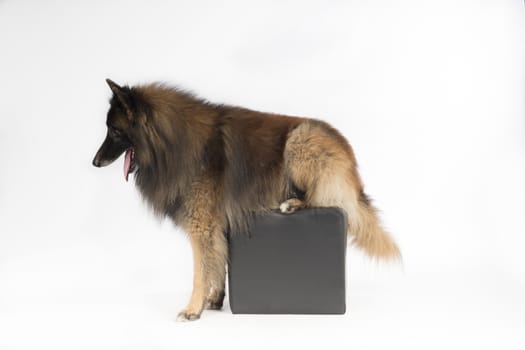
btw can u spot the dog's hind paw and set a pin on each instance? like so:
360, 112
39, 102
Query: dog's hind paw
184, 316
291, 205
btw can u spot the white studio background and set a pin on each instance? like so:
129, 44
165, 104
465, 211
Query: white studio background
430, 94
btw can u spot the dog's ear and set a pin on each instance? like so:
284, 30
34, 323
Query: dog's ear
122, 94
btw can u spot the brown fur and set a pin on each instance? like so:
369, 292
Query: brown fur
211, 167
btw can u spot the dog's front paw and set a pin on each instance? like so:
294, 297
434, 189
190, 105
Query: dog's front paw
291, 205
214, 305
215, 300
186, 315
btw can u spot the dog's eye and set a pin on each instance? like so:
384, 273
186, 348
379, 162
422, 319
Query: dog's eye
116, 132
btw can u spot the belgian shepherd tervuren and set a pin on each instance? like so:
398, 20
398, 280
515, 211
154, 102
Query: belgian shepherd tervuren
211, 167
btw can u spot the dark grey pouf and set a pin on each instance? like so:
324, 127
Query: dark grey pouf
290, 264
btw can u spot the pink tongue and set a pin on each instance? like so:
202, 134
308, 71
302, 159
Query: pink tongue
127, 163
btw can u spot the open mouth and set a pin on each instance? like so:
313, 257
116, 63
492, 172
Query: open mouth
129, 162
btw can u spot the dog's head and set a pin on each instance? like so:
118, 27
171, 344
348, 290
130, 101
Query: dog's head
124, 115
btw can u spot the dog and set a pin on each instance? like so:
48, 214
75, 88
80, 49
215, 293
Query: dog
211, 167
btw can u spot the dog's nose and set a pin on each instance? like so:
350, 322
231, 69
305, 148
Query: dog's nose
96, 162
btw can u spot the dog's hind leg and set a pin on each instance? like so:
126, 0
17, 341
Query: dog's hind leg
320, 162
291, 205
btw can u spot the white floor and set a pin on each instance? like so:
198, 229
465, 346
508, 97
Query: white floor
127, 297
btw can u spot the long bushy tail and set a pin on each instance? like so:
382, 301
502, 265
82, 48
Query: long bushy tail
367, 233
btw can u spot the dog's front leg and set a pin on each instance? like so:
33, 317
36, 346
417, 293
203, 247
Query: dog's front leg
210, 250
200, 284
218, 256
210, 253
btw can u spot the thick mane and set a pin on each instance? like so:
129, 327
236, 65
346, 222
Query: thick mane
185, 139
170, 145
